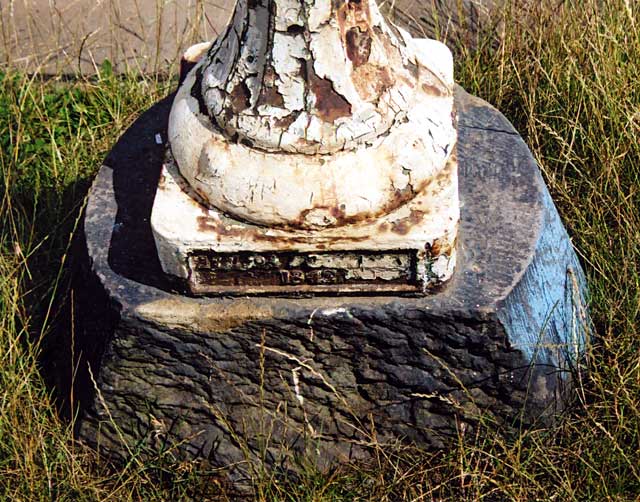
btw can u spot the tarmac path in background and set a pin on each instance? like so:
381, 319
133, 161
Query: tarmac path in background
76, 36
71, 36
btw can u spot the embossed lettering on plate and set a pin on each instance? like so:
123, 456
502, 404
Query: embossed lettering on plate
326, 272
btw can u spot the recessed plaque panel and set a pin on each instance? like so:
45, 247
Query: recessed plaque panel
282, 272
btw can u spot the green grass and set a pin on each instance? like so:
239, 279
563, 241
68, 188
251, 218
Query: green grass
567, 75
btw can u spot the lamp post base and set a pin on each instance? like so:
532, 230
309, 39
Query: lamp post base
328, 375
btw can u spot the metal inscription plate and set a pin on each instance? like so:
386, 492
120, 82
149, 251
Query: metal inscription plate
281, 272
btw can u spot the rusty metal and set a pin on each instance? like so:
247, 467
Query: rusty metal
311, 150
289, 272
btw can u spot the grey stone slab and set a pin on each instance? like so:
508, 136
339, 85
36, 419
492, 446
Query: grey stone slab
329, 375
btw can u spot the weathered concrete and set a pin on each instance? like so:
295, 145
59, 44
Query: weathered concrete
227, 378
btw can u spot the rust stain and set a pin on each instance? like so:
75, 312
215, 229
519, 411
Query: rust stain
209, 224
330, 104
240, 98
399, 198
435, 248
285, 242
439, 247
269, 94
400, 227
435, 90
287, 120
453, 159
358, 45
454, 116
404, 225
444, 175
358, 36
354, 21
372, 81
162, 181
352, 13
228, 116
337, 212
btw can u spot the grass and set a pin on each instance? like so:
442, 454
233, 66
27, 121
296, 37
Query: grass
567, 75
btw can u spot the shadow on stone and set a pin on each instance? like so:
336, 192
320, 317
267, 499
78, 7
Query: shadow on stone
211, 375
132, 252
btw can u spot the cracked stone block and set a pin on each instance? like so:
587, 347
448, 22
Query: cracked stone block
227, 378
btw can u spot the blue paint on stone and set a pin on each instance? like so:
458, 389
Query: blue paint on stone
546, 314
495, 340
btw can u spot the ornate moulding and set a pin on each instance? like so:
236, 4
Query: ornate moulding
312, 149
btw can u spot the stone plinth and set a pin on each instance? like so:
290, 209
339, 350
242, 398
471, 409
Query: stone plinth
330, 374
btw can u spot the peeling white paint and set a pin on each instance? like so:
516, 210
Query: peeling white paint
183, 224
331, 84
270, 188
314, 120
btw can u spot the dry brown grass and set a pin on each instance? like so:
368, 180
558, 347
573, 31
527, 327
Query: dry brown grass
568, 80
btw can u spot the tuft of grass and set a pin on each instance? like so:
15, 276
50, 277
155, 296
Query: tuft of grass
566, 73
53, 137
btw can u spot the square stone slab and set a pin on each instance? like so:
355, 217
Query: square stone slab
326, 376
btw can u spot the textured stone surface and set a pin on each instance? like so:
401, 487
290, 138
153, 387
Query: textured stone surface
330, 374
